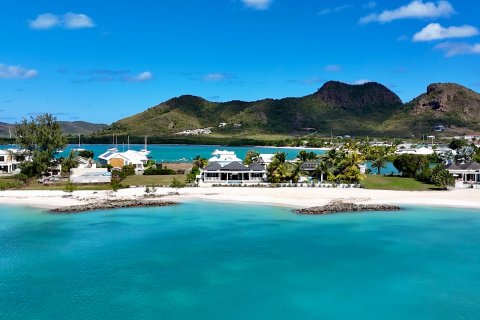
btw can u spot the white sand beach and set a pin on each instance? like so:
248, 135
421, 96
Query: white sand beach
288, 197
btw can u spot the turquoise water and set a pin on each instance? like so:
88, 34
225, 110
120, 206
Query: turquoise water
186, 153
217, 261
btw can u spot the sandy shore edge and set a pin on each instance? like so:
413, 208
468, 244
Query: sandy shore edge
296, 198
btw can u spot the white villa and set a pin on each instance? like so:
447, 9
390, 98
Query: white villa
223, 157
8, 162
226, 168
119, 159
420, 151
467, 175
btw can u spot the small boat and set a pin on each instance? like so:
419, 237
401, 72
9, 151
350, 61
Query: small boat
145, 150
114, 144
79, 146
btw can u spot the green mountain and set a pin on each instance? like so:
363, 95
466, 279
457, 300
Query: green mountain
367, 109
68, 127
336, 106
453, 106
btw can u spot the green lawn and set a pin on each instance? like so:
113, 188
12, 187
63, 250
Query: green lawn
395, 183
151, 180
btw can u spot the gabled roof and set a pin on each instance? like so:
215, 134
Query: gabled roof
309, 165
256, 167
472, 165
235, 166
469, 166
213, 166
453, 166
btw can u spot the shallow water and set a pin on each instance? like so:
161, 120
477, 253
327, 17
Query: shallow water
217, 261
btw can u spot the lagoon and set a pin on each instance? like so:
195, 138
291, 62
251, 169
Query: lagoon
217, 261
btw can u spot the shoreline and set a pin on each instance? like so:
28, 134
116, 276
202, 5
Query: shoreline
294, 198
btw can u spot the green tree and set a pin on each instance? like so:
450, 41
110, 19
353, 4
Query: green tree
325, 169
304, 156
251, 157
41, 137
69, 162
443, 179
199, 162
88, 154
280, 156
409, 165
456, 144
379, 164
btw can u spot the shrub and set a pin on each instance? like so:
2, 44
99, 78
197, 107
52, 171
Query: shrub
128, 170
177, 184
69, 187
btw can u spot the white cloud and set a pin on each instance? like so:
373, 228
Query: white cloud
435, 31
370, 5
333, 68
258, 4
77, 21
16, 72
215, 77
68, 20
335, 9
452, 49
416, 9
141, 77
361, 81
45, 21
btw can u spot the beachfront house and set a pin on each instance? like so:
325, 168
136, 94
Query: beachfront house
467, 175
120, 159
226, 168
9, 163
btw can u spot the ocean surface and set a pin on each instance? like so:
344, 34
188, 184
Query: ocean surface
219, 261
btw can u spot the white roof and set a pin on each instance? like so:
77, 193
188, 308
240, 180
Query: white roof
222, 152
132, 156
424, 150
224, 157
266, 157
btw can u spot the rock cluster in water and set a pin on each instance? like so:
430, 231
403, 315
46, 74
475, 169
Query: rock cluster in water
115, 204
336, 207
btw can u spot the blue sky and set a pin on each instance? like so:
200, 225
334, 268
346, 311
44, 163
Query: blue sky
100, 61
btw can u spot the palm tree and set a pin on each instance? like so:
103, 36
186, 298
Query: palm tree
251, 156
325, 169
69, 162
379, 164
304, 156
199, 162
280, 156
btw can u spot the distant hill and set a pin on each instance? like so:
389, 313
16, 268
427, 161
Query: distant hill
444, 104
68, 127
338, 107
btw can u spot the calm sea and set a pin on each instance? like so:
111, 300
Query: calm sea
219, 261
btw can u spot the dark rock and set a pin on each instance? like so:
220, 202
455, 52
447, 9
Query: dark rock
115, 204
336, 207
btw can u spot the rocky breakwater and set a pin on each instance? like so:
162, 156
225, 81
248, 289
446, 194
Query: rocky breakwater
115, 204
337, 207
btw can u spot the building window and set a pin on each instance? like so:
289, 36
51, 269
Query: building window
2, 158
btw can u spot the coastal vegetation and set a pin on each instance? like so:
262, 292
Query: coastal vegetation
41, 137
